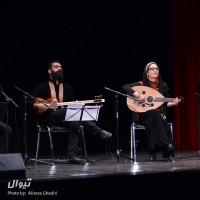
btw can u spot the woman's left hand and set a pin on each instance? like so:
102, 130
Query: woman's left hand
174, 103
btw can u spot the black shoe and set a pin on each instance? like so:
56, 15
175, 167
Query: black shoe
152, 158
170, 147
168, 152
77, 160
105, 135
169, 155
165, 153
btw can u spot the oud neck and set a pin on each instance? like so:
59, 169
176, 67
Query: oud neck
159, 99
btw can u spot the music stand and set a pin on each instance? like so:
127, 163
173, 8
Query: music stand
80, 112
3, 110
5, 107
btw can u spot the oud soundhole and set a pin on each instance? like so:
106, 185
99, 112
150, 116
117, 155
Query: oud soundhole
150, 99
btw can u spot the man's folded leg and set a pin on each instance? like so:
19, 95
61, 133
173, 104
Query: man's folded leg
96, 130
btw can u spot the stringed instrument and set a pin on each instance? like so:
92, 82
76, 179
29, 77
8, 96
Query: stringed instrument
153, 99
53, 104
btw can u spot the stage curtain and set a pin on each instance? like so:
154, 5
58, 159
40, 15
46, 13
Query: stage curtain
186, 71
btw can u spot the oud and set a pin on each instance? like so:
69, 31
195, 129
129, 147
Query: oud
153, 99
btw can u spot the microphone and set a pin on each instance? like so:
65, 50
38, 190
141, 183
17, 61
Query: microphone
108, 89
2, 91
7, 98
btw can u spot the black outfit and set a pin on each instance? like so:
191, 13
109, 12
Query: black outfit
56, 118
157, 129
4, 137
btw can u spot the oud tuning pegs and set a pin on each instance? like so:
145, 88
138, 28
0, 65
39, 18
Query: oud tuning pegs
98, 99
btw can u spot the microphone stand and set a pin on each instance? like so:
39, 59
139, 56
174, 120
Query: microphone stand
8, 99
26, 95
117, 120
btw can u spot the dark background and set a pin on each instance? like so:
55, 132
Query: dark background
100, 45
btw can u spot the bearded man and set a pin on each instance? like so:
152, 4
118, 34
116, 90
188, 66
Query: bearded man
55, 87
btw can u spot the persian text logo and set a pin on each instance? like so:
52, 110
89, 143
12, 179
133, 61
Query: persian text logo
20, 184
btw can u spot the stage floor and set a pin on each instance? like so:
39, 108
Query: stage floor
108, 176
110, 164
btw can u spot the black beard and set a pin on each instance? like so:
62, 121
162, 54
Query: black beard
57, 76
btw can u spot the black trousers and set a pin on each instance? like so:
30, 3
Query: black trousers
57, 118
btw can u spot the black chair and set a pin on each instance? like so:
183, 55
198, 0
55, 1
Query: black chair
49, 130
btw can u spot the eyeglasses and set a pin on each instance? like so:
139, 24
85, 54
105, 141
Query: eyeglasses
154, 68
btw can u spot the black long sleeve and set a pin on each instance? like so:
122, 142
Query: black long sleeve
128, 88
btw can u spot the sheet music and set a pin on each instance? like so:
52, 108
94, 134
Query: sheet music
90, 113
